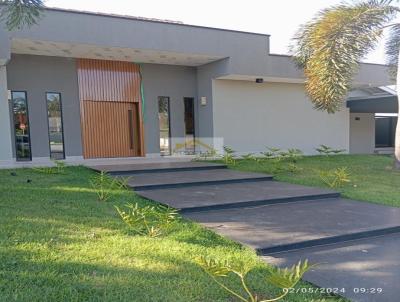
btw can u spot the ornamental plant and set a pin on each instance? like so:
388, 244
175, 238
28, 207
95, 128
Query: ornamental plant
283, 279
151, 221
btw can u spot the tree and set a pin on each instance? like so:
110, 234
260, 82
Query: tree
18, 14
329, 49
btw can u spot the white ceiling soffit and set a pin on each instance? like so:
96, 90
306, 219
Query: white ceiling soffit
59, 49
390, 89
266, 79
371, 92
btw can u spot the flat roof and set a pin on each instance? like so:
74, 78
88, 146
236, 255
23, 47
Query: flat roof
153, 20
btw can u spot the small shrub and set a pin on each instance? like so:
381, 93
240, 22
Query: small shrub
278, 168
293, 168
272, 153
103, 185
60, 166
284, 279
44, 170
228, 156
151, 221
248, 156
325, 150
209, 154
335, 178
58, 169
292, 155
122, 183
279, 158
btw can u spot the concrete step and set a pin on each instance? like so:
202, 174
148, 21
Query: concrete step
233, 195
140, 168
284, 227
353, 267
156, 180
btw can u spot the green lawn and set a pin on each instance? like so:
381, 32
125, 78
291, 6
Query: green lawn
58, 243
372, 176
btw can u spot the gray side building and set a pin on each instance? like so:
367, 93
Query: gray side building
81, 86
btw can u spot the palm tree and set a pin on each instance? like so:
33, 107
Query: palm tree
18, 14
329, 49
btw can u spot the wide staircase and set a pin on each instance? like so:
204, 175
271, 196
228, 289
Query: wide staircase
282, 222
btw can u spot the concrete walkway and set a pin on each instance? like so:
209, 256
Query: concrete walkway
357, 243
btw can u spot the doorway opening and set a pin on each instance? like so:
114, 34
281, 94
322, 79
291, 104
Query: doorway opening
190, 146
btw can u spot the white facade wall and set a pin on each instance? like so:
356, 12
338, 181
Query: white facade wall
250, 117
362, 133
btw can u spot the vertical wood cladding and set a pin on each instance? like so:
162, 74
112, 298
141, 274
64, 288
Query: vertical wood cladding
110, 99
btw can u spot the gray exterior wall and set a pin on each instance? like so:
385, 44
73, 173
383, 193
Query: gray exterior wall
40, 74
282, 66
248, 53
37, 75
5, 134
111, 31
175, 82
205, 76
362, 133
5, 45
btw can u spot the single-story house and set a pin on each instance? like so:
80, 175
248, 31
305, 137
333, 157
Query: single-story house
81, 85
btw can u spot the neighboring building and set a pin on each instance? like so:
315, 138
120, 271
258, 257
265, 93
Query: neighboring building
373, 119
82, 85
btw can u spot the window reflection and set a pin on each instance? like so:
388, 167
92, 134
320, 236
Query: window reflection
163, 118
21, 126
56, 135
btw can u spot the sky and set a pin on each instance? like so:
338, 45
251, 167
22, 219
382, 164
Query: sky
279, 18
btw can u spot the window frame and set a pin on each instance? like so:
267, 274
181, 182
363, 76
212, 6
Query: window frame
169, 122
62, 122
29, 125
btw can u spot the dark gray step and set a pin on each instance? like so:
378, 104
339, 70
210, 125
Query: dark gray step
284, 227
135, 168
369, 263
234, 195
328, 241
150, 181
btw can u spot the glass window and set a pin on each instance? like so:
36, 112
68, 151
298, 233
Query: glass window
189, 125
163, 118
56, 134
21, 126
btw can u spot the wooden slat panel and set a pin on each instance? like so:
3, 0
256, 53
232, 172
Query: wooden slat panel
110, 81
107, 90
106, 130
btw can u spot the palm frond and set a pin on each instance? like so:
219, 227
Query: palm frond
330, 47
214, 267
18, 14
392, 49
288, 277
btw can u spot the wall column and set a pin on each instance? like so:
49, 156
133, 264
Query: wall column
6, 157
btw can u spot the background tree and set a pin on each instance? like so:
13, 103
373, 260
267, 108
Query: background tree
18, 14
329, 49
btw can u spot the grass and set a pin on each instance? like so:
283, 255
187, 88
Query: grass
372, 177
58, 243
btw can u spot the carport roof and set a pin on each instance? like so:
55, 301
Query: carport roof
373, 100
